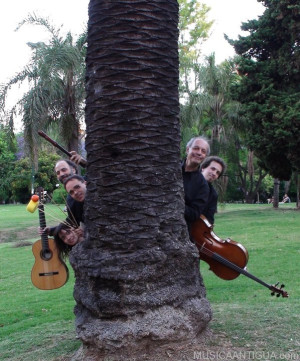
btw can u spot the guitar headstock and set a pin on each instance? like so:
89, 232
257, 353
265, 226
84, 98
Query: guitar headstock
41, 193
278, 291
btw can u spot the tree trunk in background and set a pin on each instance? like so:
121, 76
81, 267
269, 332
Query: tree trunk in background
73, 143
298, 191
137, 274
276, 193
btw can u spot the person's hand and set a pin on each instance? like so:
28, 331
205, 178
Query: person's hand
77, 158
45, 230
80, 233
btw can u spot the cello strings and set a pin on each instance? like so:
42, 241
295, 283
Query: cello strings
231, 265
220, 259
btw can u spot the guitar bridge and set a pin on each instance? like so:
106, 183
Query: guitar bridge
48, 273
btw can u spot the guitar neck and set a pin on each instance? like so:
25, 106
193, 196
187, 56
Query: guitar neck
42, 219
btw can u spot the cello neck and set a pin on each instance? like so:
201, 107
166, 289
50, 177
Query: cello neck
215, 256
234, 267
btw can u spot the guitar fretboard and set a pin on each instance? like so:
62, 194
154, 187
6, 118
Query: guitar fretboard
44, 236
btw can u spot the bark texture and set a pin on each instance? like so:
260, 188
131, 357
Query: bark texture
137, 275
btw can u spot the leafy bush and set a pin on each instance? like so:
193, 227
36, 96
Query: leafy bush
59, 195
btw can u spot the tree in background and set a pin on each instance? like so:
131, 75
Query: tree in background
55, 76
193, 31
270, 86
8, 148
23, 180
137, 274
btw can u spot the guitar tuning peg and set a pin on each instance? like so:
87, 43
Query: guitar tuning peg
282, 286
278, 295
272, 293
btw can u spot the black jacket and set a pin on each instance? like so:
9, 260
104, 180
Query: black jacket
196, 192
75, 211
211, 205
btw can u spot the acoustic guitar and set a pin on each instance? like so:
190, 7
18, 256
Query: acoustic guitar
49, 271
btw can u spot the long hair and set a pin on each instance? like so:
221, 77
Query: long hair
63, 248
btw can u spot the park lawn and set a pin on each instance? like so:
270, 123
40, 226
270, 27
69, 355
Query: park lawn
39, 325
17, 224
34, 324
243, 309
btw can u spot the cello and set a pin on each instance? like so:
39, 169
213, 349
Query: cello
226, 258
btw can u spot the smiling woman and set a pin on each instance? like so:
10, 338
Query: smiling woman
67, 237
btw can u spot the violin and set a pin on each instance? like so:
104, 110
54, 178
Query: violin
226, 258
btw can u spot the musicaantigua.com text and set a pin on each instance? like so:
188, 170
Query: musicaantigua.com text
245, 355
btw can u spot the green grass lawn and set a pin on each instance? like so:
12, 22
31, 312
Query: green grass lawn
39, 325
34, 324
17, 224
243, 309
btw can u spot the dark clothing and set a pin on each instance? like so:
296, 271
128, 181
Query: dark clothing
75, 211
211, 205
196, 191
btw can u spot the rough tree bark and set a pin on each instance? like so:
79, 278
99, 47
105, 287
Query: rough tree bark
138, 284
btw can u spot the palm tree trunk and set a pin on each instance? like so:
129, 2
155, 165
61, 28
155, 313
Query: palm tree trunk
71, 127
137, 273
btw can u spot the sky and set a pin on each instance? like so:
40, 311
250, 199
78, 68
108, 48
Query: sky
228, 16
72, 16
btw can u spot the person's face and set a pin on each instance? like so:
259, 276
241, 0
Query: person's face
212, 172
68, 236
76, 189
196, 153
63, 170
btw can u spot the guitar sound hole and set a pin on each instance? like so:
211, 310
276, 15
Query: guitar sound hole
46, 255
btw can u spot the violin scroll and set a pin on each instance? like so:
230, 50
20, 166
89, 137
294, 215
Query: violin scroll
278, 291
